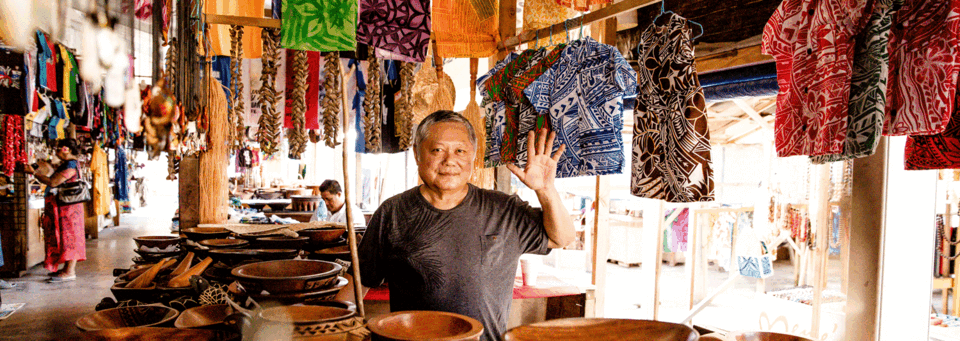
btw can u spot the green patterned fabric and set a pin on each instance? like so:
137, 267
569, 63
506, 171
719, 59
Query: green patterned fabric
328, 25
868, 86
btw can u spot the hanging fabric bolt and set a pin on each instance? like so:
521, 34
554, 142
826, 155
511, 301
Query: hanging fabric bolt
331, 102
236, 86
404, 105
270, 120
297, 135
372, 107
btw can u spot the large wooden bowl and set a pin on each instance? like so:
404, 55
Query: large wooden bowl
309, 297
203, 233
321, 323
156, 334
224, 243
287, 276
332, 254
601, 329
237, 256
765, 336
324, 235
281, 242
424, 325
207, 316
136, 316
161, 242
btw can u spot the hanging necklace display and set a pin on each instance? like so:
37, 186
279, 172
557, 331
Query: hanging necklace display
297, 135
372, 107
331, 102
268, 135
404, 105
941, 237
236, 87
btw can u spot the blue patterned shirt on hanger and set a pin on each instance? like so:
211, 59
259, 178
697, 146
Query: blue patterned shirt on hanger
494, 115
583, 94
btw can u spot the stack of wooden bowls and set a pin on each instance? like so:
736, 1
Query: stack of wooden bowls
288, 281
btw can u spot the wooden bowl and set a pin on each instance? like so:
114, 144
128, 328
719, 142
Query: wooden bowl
765, 336
153, 257
304, 314
237, 256
271, 195
287, 276
148, 294
281, 242
325, 235
309, 297
157, 334
137, 316
161, 242
308, 322
224, 243
208, 316
601, 329
332, 254
424, 325
203, 233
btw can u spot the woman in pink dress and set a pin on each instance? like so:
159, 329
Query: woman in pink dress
63, 230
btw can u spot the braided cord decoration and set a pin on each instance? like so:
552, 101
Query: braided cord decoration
269, 133
331, 102
404, 106
171, 64
236, 86
298, 134
372, 107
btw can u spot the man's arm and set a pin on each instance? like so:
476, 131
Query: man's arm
539, 175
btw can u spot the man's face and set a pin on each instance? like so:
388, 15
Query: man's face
445, 157
333, 201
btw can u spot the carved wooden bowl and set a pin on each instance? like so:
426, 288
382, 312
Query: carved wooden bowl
224, 243
601, 329
161, 242
203, 233
324, 235
424, 325
287, 276
237, 256
137, 316
309, 322
306, 203
282, 242
766, 336
208, 316
331, 254
309, 297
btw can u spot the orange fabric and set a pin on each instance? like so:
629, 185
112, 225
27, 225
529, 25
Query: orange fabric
220, 34
459, 31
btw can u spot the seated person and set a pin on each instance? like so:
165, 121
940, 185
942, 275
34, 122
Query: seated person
332, 197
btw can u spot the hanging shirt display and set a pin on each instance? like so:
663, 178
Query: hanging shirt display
583, 94
70, 74
497, 90
494, 115
527, 116
329, 25
400, 27
671, 139
868, 86
13, 83
940, 151
924, 63
46, 64
101, 188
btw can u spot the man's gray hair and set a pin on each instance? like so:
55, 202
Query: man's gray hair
440, 116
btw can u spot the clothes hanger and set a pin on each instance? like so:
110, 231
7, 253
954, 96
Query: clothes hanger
663, 11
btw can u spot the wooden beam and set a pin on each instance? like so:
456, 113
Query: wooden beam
732, 58
509, 42
752, 113
217, 19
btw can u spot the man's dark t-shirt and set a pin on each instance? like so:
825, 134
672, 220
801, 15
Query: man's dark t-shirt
461, 260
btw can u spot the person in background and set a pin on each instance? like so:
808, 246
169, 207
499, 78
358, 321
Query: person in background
332, 197
63, 230
447, 245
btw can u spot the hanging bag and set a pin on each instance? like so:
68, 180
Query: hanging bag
752, 260
70, 193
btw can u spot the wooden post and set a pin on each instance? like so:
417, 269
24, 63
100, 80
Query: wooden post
948, 224
650, 253
820, 211
693, 251
348, 197
601, 243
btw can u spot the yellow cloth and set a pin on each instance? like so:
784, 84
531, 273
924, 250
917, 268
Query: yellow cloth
101, 189
538, 14
459, 31
220, 34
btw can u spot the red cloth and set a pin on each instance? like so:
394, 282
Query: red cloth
940, 151
63, 232
382, 293
313, 90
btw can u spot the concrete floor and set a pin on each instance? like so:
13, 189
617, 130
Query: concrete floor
52, 309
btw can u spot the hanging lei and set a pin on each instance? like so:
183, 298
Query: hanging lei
297, 136
13, 143
941, 238
269, 133
372, 111
236, 87
331, 102
404, 106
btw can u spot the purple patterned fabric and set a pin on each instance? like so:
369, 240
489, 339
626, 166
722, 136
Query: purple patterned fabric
401, 27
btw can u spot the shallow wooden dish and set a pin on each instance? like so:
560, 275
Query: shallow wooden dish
765, 336
331, 254
203, 233
161, 242
281, 242
224, 243
287, 276
137, 316
324, 235
424, 325
208, 316
601, 329
304, 314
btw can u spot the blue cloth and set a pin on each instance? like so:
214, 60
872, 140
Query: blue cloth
222, 72
72, 164
739, 82
120, 177
583, 94
495, 119
361, 142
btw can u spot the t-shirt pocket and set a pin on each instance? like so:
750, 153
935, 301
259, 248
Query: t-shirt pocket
491, 249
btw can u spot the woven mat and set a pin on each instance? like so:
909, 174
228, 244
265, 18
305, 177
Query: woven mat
273, 229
